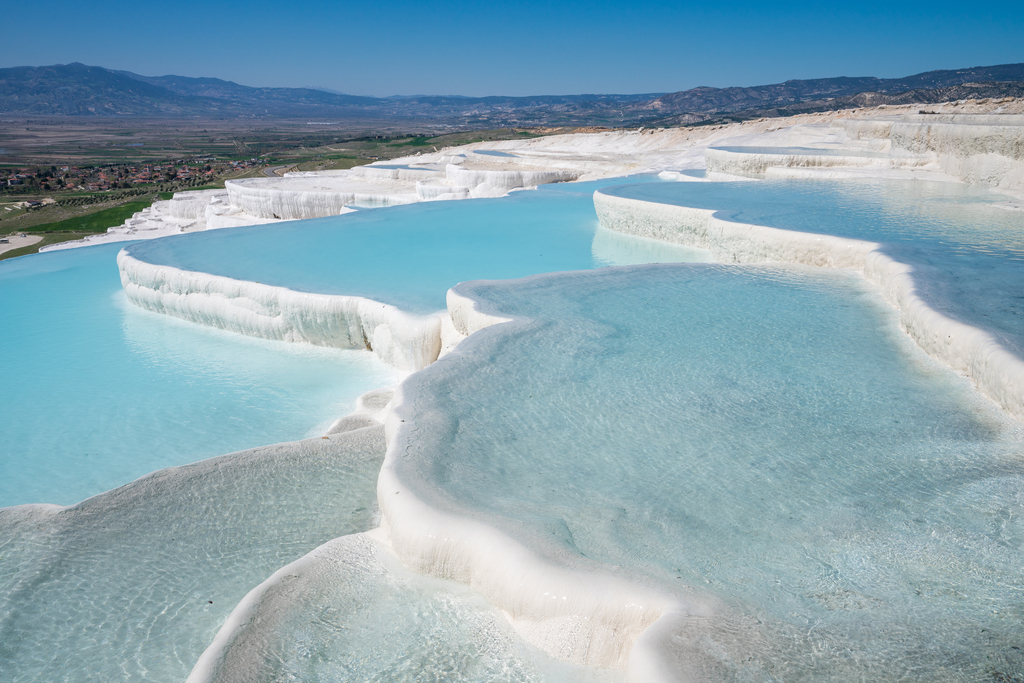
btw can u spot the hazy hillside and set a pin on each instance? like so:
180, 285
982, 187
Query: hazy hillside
77, 89
722, 100
80, 90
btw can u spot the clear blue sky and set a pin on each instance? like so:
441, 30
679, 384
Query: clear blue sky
514, 48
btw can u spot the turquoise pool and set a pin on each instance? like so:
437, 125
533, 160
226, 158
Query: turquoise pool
98, 392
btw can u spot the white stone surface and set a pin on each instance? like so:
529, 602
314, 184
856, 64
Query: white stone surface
404, 341
296, 198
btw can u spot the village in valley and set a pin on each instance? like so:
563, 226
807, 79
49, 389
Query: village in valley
115, 176
57, 203
32, 181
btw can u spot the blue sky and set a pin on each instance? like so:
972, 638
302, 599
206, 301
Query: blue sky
515, 48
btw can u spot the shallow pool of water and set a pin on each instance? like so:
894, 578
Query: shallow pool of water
351, 612
493, 153
97, 392
763, 435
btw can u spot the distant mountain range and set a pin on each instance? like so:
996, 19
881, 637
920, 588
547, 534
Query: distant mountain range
80, 90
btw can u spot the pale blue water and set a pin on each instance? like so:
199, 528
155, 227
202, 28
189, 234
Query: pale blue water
493, 153
408, 256
968, 254
97, 392
811, 151
762, 435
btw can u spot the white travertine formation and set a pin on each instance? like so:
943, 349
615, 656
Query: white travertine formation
486, 183
757, 163
392, 172
466, 315
728, 242
434, 189
371, 410
191, 205
312, 197
404, 341
560, 603
970, 351
981, 150
976, 142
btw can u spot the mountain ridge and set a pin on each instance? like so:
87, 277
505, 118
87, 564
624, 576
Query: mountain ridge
80, 90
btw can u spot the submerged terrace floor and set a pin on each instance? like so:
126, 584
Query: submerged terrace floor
757, 453
760, 439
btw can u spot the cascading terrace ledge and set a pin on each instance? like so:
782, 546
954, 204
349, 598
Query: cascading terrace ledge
402, 340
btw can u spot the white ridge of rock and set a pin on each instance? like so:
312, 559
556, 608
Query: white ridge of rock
313, 197
402, 340
758, 163
389, 172
980, 150
490, 183
433, 189
573, 610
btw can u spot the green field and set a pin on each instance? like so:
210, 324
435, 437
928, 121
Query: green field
78, 227
415, 142
92, 223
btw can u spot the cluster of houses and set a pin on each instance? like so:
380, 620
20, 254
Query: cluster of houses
114, 176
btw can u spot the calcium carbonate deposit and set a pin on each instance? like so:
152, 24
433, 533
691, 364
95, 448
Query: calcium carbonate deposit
751, 413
